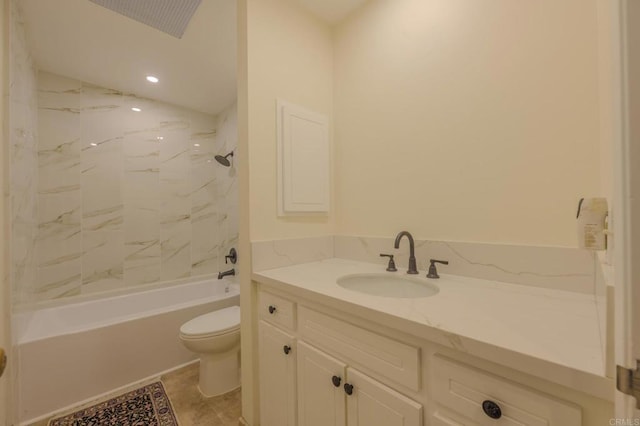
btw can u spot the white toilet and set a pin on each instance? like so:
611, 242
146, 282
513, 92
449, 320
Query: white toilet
216, 338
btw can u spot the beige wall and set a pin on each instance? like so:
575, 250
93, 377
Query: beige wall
5, 296
283, 52
607, 29
473, 121
291, 57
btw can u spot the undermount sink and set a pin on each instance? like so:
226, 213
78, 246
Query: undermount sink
388, 285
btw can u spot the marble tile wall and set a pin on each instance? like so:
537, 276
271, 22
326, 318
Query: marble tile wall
20, 191
228, 193
127, 198
604, 294
280, 253
548, 267
23, 159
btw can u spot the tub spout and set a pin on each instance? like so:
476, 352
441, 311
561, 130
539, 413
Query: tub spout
221, 275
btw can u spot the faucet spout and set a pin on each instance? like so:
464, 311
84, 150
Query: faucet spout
413, 269
221, 275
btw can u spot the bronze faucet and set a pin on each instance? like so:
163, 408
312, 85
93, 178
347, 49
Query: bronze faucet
412, 256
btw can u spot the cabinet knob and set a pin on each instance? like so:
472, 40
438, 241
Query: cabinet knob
491, 409
336, 381
286, 349
348, 388
272, 309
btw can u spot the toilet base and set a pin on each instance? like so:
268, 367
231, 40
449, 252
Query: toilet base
219, 373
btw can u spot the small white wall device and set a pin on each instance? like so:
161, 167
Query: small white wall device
592, 223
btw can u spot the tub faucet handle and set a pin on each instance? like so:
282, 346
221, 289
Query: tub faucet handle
232, 256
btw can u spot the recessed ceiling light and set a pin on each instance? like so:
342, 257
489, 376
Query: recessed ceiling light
160, 138
196, 144
94, 144
136, 109
152, 79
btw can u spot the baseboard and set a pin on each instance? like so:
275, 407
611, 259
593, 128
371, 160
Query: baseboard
106, 395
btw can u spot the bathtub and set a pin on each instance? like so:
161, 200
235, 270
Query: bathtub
77, 352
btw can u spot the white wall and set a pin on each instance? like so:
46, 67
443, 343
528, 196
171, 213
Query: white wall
467, 121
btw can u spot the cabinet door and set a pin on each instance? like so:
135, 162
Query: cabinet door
277, 377
321, 398
372, 403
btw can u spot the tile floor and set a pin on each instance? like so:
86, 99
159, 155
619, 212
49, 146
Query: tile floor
191, 408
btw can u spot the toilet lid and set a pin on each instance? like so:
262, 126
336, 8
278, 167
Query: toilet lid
216, 322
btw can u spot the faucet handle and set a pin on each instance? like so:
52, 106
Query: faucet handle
433, 272
232, 256
392, 265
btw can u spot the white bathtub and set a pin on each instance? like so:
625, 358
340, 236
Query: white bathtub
75, 352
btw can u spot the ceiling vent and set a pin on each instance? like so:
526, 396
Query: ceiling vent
168, 16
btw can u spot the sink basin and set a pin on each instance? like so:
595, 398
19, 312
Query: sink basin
388, 285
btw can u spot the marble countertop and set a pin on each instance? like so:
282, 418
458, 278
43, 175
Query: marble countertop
550, 334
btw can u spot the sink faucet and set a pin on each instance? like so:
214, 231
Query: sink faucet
221, 275
412, 256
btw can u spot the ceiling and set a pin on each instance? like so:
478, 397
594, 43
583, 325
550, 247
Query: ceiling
82, 40
332, 11
79, 39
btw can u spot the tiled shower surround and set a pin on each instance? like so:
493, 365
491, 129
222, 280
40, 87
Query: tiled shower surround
22, 158
127, 198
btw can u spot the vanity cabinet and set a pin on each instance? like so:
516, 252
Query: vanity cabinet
321, 394
277, 376
330, 393
322, 369
303, 385
468, 396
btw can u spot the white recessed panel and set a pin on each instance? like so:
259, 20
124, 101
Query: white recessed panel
303, 160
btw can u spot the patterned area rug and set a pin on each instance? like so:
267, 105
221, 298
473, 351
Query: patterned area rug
146, 406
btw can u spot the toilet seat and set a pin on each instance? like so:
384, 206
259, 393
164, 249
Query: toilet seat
214, 323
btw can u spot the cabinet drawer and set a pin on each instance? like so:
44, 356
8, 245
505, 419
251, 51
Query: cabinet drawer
393, 360
463, 389
276, 310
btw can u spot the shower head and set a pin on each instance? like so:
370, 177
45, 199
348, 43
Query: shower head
224, 160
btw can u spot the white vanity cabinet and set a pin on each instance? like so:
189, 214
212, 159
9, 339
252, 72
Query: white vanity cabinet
468, 396
277, 376
328, 389
277, 360
321, 395
344, 371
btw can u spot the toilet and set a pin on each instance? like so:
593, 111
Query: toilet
215, 337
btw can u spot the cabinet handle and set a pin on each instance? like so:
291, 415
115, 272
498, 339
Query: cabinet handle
491, 409
272, 309
336, 381
286, 349
3, 361
348, 388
